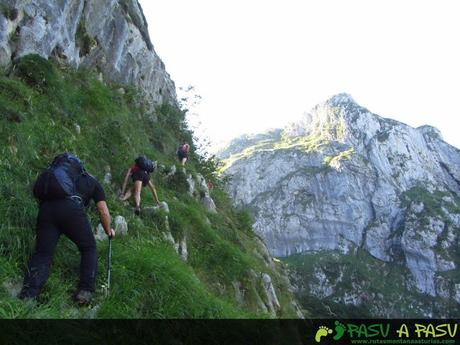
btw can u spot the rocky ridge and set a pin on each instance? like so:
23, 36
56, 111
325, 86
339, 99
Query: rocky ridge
110, 36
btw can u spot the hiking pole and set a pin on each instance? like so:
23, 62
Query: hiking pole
109, 264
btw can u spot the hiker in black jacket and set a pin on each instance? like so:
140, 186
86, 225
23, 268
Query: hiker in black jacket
65, 214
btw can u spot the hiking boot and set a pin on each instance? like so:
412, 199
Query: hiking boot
137, 211
27, 295
83, 297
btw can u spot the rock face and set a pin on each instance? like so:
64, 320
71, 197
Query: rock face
271, 299
110, 36
100, 234
120, 227
194, 184
345, 180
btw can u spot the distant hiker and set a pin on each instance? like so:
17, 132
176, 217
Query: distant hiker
182, 153
63, 191
210, 185
140, 175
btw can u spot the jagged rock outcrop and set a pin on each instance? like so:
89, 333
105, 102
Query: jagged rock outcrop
121, 226
208, 204
344, 179
110, 36
259, 289
271, 300
194, 184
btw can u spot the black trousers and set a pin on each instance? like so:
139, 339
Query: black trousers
55, 218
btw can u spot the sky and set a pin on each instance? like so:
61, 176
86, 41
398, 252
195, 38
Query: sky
259, 64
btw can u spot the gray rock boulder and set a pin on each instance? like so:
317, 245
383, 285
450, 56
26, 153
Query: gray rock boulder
172, 171
100, 234
209, 204
271, 299
182, 249
13, 287
191, 185
121, 226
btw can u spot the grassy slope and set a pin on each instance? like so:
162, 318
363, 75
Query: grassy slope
40, 106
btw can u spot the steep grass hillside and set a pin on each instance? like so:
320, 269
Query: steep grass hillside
46, 109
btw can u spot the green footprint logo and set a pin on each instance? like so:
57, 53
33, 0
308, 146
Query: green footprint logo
339, 330
321, 332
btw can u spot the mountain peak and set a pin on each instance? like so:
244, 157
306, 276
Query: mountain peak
340, 99
430, 131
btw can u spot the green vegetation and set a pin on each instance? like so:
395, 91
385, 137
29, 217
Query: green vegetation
7, 12
380, 289
334, 129
433, 203
306, 144
41, 105
436, 205
332, 161
85, 41
340, 130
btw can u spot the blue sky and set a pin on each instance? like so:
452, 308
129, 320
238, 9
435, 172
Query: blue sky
260, 64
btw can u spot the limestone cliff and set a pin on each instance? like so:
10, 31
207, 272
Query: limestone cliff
349, 183
108, 35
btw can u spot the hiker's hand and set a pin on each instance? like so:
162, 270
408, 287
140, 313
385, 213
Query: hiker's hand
111, 233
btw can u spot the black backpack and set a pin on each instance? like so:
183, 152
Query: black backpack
58, 181
145, 164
